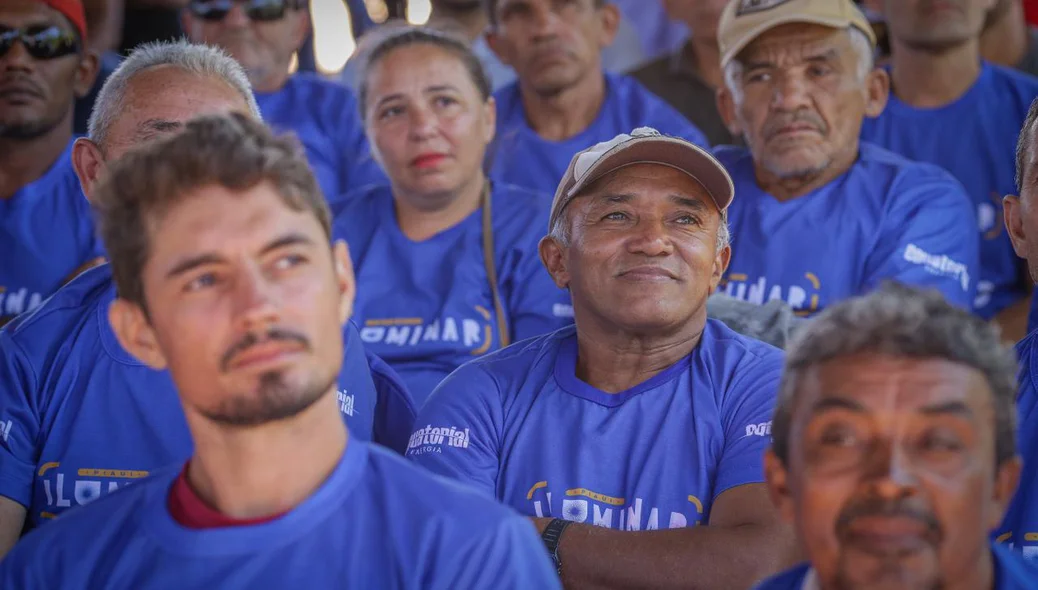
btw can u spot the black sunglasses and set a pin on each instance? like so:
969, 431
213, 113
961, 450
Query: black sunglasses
40, 41
258, 10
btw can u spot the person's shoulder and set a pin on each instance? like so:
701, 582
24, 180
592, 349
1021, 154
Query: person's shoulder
433, 500
791, 579
651, 110
508, 101
1012, 83
63, 312
520, 212
358, 206
720, 337
509, 365
111, 519
315, 87
1015, 571
731, 156
882, 166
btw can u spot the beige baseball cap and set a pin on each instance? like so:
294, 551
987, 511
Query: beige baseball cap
744, 20
644, 145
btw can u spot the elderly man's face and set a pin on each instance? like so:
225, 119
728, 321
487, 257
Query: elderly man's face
799, 97
642, 254
36, 95
891, 479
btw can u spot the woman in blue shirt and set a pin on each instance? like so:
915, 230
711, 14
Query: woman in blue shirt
447, 263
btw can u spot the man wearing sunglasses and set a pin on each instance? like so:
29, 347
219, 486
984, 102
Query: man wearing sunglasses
46, 233
263, 35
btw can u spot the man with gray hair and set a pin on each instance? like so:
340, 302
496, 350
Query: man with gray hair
894, 448
822, 216
80, 416
645, 415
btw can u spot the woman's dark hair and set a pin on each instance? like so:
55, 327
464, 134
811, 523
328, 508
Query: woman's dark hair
394, 36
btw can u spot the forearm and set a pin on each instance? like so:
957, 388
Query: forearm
688, 558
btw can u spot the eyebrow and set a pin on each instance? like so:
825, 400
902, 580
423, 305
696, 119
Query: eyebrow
194, 262
153, 127
955, 408
690, 202
836, 403
400, 95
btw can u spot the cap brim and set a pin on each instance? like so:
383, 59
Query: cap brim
667, 151
749, 36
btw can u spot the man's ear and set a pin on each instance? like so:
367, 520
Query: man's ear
720, 266
1014, 219
498, 45
610, 15
135, 334
490, 113
553, 258
776, 476
302, 29
877, 88
1007, 478
726, 107
345, 278
88, 162
86, 73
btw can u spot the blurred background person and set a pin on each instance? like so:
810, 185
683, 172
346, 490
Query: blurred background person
263, 35
951, 108
446, 262
46, 231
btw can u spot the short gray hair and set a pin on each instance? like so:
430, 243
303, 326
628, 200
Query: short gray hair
859, 41
906, 322
560, 230
202, 60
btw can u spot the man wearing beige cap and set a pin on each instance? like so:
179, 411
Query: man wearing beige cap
645, 416
822, 216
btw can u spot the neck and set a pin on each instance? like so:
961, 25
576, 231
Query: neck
785, 188
471, 21
25, 161
420, 218
1005, 39
617, 361
707, 56
929, 79
265, 470
561, 115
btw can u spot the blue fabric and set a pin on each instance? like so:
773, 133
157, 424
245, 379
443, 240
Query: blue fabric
326, 118
520, 426
521, 157
1032, 315
426, 307
974, 138
376, 522
885, 218
80, 417
46, 234
1020, 525
1011, 573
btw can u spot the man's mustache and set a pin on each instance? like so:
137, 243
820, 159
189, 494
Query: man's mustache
252, 339
781, 120
877, 507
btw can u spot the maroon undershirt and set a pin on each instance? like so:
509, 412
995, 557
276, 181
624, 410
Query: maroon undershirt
191, 511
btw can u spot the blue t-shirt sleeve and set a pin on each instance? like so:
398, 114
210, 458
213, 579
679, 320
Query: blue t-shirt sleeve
929, 239
535, 305
467, 400
746, 417
394, 408
19, 422
359, 167
508, 557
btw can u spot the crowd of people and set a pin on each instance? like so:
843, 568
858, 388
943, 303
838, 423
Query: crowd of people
753, 314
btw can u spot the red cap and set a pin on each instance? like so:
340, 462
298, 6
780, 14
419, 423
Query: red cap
73, 10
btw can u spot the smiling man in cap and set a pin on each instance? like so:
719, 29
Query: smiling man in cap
643, 420
46, 233
822, 216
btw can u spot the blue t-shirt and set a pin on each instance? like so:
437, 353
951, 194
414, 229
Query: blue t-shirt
426, 307
46, 234
325, 117
521, 427
80, 417
1020, 526
1011, 573
885, 218
376, 522
974, 138
521, 157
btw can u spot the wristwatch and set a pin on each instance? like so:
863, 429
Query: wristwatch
551, 536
